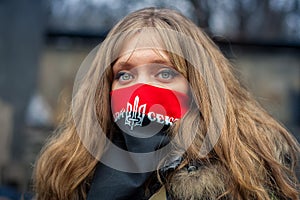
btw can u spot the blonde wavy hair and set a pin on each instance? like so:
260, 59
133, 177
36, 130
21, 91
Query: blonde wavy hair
258, 153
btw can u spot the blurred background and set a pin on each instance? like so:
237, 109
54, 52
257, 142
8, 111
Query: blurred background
43, 42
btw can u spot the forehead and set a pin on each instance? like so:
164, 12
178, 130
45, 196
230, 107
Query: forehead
145, 45
145, 39
164, 43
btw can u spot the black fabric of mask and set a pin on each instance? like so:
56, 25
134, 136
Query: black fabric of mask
109, 183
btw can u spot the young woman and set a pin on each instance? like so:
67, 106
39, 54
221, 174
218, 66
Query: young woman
159, 84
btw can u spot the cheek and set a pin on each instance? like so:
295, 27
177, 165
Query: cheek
182, 86
114, 85
186, 88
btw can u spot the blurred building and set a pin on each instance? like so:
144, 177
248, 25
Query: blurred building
40, 57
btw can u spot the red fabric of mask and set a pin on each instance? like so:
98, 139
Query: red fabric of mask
159, 104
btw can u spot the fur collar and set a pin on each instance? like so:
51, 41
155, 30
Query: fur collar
206, 182
209, 181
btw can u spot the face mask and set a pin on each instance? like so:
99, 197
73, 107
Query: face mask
139, 110
141, 104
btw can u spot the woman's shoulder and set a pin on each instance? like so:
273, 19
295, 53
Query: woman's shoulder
203, 181
197, 180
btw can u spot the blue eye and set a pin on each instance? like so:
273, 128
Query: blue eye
167, 74
123, 76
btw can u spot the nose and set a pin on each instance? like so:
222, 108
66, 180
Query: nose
144, 78
143, 75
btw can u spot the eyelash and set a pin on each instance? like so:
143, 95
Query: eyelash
119, 74
170, 71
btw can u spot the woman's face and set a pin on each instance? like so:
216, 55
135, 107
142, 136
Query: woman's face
148, 66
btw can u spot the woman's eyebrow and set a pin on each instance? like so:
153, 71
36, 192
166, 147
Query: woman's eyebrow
161, 61
126, 64
119, 65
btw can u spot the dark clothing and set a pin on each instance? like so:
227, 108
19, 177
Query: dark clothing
109, 183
